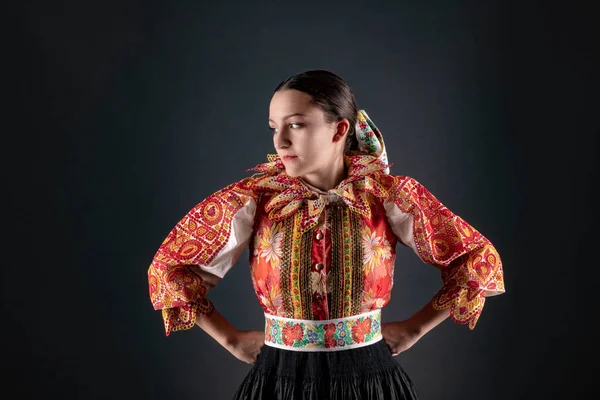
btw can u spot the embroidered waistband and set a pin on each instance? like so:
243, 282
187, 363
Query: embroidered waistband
326, 335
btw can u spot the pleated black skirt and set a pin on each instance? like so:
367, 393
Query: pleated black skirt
365, 373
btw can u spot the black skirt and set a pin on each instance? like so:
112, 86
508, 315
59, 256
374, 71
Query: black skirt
366, 373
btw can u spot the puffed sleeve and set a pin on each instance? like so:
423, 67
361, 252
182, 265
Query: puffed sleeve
470, 266
198, 252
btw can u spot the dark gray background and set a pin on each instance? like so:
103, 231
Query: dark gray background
127, 114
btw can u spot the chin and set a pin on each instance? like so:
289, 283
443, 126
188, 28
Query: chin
292, 172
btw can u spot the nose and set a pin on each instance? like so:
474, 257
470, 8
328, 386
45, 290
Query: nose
281, 139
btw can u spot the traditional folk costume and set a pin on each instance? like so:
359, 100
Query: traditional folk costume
322, 267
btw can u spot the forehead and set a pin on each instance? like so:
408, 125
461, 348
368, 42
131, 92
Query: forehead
288, 102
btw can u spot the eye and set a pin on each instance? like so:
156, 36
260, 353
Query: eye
297, 125
274, 130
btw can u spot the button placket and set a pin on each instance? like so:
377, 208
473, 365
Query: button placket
321, 266
318, 265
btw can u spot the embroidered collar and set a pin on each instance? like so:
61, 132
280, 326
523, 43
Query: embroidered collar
291, 195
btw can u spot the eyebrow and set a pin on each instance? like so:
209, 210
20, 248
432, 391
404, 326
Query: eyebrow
289, 116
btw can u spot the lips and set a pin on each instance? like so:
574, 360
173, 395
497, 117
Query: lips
287, 158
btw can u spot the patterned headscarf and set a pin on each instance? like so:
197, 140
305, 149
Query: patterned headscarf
370, 140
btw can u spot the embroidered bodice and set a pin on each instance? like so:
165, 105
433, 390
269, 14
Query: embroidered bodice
320, 255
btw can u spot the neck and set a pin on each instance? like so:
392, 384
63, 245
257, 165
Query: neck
329, 178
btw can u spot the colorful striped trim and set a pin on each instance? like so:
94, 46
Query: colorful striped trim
326, 335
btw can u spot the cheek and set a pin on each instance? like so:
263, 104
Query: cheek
319, 147
313, 141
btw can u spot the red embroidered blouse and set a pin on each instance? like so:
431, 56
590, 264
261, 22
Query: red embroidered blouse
321, 255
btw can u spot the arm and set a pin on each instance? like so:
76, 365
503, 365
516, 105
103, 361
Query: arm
198, 252
400, 336
426, 319
217, 327
244, 345
470, 266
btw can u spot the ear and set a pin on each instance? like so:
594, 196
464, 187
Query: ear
341, 130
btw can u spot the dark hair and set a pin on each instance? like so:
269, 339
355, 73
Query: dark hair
331, 94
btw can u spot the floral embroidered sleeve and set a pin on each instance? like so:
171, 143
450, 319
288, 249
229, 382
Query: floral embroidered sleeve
198, 252
471, 268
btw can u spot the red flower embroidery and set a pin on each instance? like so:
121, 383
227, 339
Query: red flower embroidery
268, 329
290, 334
360, 329
329, 340
298, 332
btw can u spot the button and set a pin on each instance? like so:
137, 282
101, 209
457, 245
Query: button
319, 236
319, 267
319, 297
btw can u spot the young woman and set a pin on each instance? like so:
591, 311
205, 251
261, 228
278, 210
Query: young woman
322, 219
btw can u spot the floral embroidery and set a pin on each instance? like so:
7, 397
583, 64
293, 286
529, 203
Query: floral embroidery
375, 249
329, 341
291, 334
320, 283
372, 300
268, 292
269, 244
307, 335
361, 329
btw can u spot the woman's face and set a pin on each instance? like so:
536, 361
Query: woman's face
306, 143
